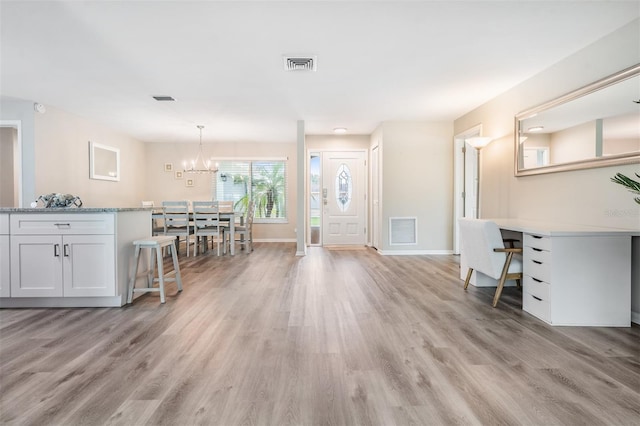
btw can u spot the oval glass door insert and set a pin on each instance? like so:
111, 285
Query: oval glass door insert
344, 187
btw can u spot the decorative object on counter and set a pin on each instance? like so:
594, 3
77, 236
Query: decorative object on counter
58, 200
630, 184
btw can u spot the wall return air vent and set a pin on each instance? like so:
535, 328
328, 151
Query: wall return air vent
300, 63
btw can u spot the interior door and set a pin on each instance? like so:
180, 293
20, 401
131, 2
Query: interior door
375, 198
344, 198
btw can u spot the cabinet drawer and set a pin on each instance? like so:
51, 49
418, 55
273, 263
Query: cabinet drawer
532, 253
537, 269
537, 241
4, 224
540, 289
537, 308
61, 224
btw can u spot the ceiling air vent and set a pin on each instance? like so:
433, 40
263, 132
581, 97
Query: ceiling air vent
300, 63
163, 98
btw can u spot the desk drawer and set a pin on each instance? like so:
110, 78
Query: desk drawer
536, 306
61, 224
537, 241
540, 289
531, 253
537, 269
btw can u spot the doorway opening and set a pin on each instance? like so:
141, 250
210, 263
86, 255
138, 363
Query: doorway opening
336, 200
10, 164
466, 180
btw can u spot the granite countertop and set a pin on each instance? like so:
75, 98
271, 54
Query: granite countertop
72, 209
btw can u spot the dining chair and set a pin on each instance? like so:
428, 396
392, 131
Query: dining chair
206, 223
176, 221
156, 229
485, 252
244, 231
225, 205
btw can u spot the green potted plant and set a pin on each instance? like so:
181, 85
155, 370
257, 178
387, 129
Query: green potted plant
630, 184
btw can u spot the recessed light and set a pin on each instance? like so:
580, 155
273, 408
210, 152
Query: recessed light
340, 130
536, 129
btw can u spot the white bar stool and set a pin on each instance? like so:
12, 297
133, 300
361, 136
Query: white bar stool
155, 243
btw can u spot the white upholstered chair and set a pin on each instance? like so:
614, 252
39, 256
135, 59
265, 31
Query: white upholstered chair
485, 252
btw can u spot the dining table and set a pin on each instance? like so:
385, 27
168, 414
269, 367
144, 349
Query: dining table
225, 215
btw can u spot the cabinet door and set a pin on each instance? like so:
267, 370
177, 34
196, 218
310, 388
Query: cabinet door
36, 266
88, 265
5, 279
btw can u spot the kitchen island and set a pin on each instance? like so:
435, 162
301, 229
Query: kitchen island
68, 257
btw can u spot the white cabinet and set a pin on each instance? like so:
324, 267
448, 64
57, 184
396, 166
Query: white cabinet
578, 280
57, 255
4, 256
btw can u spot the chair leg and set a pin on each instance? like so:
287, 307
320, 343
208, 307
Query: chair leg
132, 281
466, 282
160, 274
176, 266
503, 278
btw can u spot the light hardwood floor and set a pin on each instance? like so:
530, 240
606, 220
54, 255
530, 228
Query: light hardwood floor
339, 337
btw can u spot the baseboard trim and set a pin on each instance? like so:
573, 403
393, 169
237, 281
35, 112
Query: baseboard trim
414, 252
635, 317
274, 240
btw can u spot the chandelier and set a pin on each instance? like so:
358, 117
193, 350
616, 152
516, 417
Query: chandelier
199, 164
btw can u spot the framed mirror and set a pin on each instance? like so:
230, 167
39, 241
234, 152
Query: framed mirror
595, 126
104, 162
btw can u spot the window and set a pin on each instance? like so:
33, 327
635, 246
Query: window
263, 181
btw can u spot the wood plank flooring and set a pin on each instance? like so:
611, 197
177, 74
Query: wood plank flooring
339, 337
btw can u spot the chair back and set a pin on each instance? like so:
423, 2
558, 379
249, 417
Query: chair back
206, 214
176, 214
479, 238
225, 206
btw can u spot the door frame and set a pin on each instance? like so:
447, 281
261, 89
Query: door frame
17, 156
459, 178
366, 187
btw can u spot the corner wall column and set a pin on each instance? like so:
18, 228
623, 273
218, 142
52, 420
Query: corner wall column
301, 225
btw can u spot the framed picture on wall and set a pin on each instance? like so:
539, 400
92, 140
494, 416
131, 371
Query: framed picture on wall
177, 174
168, 167
188, 182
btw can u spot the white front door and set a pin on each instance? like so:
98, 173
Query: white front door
343, 198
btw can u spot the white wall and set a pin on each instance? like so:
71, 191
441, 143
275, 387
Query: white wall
161, 185
583, 196
417, 181
62, 161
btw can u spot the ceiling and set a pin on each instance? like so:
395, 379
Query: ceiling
222, 61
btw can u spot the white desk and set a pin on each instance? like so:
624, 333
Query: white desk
574, 274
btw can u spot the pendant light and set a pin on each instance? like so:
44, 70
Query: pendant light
199, 164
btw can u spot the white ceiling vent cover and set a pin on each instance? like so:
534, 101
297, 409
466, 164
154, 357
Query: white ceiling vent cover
300, 63
403, 231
